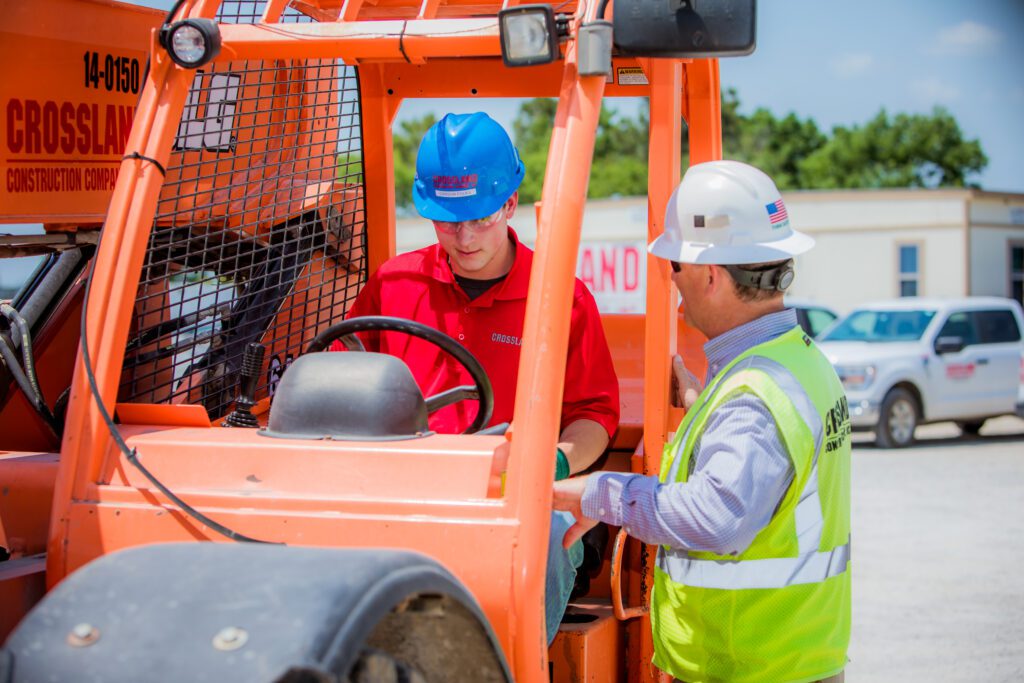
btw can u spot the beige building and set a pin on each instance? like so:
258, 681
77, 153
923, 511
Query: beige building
880, 244
871, 245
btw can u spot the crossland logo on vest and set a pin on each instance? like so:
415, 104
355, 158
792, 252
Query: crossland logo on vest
455, 185
837, 425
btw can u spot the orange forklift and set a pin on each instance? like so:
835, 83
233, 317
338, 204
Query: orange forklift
160, 367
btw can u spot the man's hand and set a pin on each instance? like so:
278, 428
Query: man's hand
568, 497
686, 387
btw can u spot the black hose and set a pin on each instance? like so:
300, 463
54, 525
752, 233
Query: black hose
12, 315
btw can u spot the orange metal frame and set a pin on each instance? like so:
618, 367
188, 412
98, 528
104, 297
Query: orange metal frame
373, 494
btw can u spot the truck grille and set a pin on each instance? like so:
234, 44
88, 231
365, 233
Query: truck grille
260, 232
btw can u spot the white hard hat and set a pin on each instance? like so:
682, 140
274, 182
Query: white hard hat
727, 212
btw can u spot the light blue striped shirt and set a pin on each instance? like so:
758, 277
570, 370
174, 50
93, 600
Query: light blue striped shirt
740, 469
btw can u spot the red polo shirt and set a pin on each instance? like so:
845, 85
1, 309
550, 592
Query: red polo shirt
420, 286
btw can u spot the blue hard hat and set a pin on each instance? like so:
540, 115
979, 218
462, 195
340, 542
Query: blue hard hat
466, 168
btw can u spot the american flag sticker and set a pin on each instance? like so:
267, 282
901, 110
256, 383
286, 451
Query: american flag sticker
777, 214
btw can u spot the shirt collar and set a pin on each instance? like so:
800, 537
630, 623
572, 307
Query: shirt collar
721, 350
514, 286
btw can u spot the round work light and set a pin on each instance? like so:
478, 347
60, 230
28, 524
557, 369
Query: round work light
191, 43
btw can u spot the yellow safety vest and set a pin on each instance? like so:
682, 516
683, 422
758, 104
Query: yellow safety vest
780, 610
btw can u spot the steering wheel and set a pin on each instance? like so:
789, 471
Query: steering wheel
481, 389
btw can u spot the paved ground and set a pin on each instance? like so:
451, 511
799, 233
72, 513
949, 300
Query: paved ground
938, 542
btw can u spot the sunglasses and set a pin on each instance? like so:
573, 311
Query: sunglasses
475, 225
676, 266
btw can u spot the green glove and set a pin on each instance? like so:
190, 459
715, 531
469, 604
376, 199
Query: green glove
561, 465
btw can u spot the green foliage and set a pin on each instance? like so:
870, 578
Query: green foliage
406, 142
906, 150
620, 150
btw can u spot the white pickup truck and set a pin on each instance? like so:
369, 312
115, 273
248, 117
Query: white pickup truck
914, 360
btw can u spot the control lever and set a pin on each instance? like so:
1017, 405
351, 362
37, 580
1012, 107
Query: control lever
252, 364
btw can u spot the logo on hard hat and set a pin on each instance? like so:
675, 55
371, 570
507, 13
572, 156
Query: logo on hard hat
777, 214
455, 185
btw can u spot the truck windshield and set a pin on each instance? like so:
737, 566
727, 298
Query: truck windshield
881, 326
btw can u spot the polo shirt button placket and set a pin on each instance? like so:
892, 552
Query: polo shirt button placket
462, 337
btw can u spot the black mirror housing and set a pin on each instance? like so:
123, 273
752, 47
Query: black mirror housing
949, 345
684, 28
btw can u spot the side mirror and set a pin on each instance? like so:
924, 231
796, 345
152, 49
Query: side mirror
677, 28
949, 345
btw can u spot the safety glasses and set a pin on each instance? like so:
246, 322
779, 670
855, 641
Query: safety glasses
676, 266
475, 225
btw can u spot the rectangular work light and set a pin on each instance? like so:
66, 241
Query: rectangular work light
528, 35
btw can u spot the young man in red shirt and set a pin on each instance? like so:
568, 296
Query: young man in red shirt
472, 285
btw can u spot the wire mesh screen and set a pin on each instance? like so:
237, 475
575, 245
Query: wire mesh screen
260, 232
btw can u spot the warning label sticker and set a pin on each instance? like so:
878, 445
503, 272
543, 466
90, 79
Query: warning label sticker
631, 75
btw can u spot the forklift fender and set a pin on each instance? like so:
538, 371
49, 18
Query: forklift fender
252, 612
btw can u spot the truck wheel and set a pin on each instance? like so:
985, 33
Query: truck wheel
374, 666
898, 420
970, 427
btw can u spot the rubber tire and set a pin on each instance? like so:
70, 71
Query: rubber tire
375, 666
884, 437
971, 427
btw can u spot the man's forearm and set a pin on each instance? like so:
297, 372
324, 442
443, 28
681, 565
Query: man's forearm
583, 442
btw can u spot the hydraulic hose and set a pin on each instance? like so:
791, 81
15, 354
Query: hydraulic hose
17, 321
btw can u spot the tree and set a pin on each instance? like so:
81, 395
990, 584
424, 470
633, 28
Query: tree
909, 150
406, 143
620, 150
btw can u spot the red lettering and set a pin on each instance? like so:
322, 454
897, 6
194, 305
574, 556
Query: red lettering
96, 148
587, 270
83, 128
15, 137
32, 135
50, 128
124, 125
608, 268
67, 140
630, 269
110, 130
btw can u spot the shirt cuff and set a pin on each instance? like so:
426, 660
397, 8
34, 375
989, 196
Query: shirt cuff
602, 497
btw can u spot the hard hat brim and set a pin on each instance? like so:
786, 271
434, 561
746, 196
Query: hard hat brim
792, 245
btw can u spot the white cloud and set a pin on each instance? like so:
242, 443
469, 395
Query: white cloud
935, 91
850, 65
967, 37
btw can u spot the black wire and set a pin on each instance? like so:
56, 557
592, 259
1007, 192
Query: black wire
131, 454
136, 155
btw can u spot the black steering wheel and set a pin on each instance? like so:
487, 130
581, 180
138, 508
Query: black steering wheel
480, 391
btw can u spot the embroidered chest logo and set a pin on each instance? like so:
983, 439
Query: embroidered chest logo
499, 338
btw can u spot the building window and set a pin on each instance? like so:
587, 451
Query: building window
909, 273
1017, 272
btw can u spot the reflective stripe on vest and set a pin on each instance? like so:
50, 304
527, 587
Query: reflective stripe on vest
776, 572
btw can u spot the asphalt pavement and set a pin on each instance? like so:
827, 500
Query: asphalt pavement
938, 557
